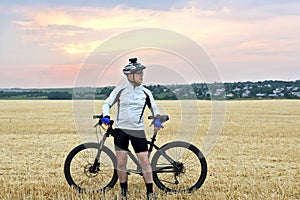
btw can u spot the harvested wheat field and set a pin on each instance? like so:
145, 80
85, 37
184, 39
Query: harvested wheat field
256, 156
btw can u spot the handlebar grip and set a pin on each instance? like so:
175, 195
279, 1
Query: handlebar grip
97, 116
163, 118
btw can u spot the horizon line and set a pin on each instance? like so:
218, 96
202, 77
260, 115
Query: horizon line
50, 87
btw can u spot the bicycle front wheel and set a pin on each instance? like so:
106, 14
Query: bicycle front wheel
86, 175
179, 167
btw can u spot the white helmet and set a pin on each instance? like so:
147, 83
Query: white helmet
133, 66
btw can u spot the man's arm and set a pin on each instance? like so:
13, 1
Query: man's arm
154, 108
111, 100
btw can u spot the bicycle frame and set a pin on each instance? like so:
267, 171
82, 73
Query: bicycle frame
170, 170
131, 155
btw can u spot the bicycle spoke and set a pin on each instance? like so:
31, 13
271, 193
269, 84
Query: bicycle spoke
187, 170
88, 177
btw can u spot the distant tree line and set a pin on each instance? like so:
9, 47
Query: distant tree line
235, 90
58, 95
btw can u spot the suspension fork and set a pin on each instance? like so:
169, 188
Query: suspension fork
96, 164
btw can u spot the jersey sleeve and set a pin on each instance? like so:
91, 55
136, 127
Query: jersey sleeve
154, 108
111, 100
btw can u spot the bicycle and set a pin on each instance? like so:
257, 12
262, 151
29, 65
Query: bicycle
177, 166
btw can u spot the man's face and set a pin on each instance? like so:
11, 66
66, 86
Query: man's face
136, 78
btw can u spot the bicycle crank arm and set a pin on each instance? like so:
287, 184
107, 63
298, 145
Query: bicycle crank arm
174, 183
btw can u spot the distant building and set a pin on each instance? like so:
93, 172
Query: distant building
260, 95
236, 89
296, 94
246, 93
229, 95
273, 95
295, 88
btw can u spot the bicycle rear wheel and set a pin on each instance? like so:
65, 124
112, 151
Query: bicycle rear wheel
186, 173
81, 175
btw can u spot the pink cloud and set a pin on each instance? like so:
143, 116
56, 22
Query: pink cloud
52, 38
38, 76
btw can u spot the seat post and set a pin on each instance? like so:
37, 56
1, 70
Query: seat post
153, 139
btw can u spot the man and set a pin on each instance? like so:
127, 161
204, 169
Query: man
132, 98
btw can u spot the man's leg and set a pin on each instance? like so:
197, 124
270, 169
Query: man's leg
122, 170
146, 168
140, 146
147, 171
121, 142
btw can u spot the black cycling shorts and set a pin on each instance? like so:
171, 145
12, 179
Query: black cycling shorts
136, 137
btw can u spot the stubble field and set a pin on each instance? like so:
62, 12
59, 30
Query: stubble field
256, 156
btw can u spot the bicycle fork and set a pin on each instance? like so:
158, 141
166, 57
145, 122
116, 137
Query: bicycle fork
96, 166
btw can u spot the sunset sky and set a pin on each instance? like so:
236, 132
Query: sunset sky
45, 44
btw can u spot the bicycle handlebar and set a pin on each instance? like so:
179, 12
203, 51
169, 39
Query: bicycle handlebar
98, 116
163, 118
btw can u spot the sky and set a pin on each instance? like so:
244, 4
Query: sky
50, 43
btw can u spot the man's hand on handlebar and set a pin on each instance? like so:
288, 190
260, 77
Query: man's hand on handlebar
157, 125
106, 120
157, 121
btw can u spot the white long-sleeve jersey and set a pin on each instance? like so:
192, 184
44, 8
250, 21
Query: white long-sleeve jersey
131, 103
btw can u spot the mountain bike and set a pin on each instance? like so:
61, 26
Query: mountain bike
177, 166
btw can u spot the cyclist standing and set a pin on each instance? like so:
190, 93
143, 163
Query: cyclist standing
132, 98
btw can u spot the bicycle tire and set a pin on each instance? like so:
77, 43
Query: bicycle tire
193, 172
78, 162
